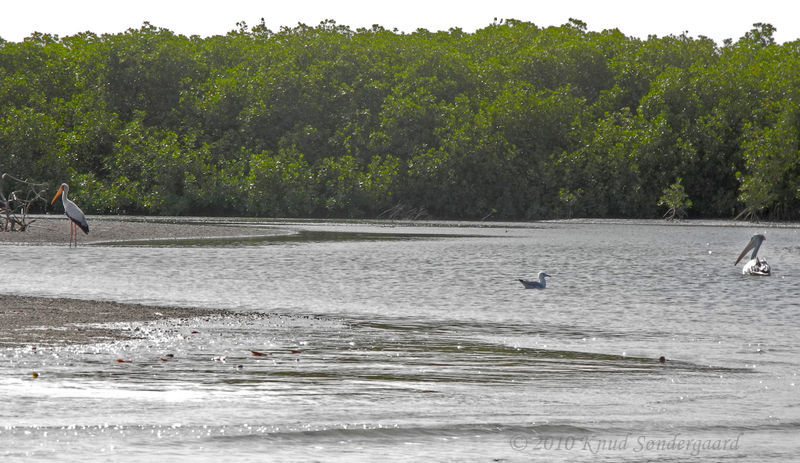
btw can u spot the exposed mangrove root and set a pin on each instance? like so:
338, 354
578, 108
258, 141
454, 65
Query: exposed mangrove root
404, 212
14, 207
749, 215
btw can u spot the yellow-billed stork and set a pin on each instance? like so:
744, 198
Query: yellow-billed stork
75, 214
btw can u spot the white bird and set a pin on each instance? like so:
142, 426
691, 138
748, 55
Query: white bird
756, 265
541, 284
73, 212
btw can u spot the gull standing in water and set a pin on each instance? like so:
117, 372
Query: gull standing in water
75, 214
541, 284
756, 265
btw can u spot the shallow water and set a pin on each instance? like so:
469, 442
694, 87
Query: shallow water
417, 343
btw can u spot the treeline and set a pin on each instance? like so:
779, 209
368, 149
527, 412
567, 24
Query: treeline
512, 121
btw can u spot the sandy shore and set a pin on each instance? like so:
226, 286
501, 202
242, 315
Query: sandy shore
54, 229
48, 321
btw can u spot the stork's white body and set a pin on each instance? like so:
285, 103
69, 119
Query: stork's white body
74, 213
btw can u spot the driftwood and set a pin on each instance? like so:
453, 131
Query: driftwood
15, 207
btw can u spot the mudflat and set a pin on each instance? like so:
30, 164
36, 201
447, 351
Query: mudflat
54, 229
34, 321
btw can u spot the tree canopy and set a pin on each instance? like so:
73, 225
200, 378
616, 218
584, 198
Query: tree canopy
512, 122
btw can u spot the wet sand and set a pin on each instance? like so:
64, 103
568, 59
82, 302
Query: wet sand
48, 321
54, 229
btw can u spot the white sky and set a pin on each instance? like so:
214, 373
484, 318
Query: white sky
712, 18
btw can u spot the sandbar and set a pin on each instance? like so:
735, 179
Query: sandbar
54, 230
26, 320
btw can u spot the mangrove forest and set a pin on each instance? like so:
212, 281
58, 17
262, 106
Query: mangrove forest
510, 122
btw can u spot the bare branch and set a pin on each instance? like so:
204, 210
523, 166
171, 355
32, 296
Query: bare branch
15, 207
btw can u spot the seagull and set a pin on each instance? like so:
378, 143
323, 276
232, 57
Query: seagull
75, 214
756, 265
541, 284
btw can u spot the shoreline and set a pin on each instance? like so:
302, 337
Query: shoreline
54, 230
43, 321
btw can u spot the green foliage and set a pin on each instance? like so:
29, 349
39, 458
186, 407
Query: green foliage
511, 122
676, 200
772, 157
278, 185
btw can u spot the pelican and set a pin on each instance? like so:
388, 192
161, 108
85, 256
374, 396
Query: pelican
541, 284
75, 214
756, 265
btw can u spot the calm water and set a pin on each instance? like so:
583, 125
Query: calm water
421, 347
